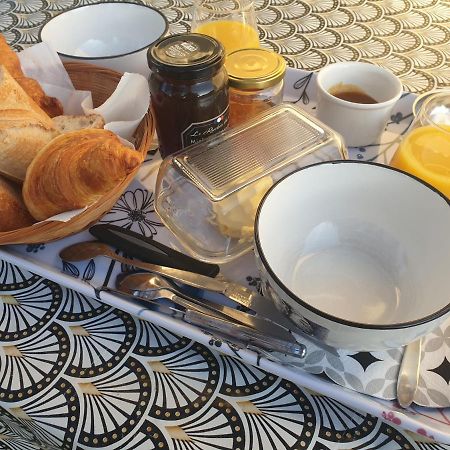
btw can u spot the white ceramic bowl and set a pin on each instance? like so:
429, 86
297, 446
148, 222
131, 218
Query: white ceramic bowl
113, 35
357, 254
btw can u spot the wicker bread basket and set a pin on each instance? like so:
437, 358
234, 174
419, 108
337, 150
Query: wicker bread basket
101, 82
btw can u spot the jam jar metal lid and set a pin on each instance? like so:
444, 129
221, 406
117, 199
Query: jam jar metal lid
186, 56
254, 68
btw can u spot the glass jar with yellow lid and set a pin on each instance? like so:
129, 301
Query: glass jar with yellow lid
255, 78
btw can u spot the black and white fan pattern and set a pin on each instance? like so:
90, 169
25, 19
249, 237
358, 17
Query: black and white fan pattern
90, 376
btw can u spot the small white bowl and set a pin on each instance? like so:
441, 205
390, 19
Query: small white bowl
359, 124
113, 35
357, 254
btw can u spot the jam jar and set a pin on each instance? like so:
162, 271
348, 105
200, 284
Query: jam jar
189, 89
255, 77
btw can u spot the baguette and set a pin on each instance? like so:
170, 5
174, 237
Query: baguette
8, 58
13, 213
64, 124
24, 128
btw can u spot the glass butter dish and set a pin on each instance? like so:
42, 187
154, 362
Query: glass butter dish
208, 193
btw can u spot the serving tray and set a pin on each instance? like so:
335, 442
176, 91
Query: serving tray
135, 210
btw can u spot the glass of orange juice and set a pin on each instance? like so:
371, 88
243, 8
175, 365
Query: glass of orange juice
231, 22
425, 150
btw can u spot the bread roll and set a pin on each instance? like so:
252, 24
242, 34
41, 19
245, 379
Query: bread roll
24, 128
64, 124
74, 170
8, 58
13, 213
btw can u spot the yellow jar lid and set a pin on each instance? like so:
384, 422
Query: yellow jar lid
254, 68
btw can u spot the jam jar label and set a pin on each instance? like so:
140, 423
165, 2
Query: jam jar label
198, 131
182, 49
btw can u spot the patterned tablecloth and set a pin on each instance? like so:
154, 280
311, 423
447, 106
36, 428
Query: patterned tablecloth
410, 37
76, 373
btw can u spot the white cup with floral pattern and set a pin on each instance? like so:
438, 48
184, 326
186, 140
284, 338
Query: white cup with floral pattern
360, 124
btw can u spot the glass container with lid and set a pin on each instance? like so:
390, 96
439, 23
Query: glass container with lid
189, 89
425, 149
255, 82
207, 194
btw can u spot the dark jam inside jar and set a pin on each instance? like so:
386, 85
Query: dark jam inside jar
189, 90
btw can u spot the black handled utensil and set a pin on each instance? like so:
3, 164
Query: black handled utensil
149, 250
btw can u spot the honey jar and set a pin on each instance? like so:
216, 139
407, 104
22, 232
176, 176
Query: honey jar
256, 83
189, 90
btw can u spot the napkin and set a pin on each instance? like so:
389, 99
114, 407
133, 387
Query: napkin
126, 107
44, 65
122, 111
375, 373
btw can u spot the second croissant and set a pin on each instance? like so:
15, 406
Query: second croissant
74, 170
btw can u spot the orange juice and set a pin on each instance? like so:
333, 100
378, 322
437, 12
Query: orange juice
232, 35
425, 153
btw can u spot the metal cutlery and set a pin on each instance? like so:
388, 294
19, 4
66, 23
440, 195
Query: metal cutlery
234, 291
148, 250
408, 376
232, 332
144, 282
268, 325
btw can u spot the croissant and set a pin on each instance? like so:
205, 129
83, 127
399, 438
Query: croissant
74, 170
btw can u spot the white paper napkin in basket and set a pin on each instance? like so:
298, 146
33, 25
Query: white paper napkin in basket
122, 112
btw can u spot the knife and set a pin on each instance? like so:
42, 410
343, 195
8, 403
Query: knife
149, 250
232, 332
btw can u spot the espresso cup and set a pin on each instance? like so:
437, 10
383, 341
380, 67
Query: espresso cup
359, 124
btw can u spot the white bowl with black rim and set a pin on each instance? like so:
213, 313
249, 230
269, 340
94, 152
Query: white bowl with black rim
112, 35
357, 254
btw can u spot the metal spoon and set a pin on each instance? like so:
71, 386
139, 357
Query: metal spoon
236, 292
260, 322
408, 376
132, 282
90, 250
152, 284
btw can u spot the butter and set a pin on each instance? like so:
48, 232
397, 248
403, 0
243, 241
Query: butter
235, 215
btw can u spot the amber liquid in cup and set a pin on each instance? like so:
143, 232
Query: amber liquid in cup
351, 93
